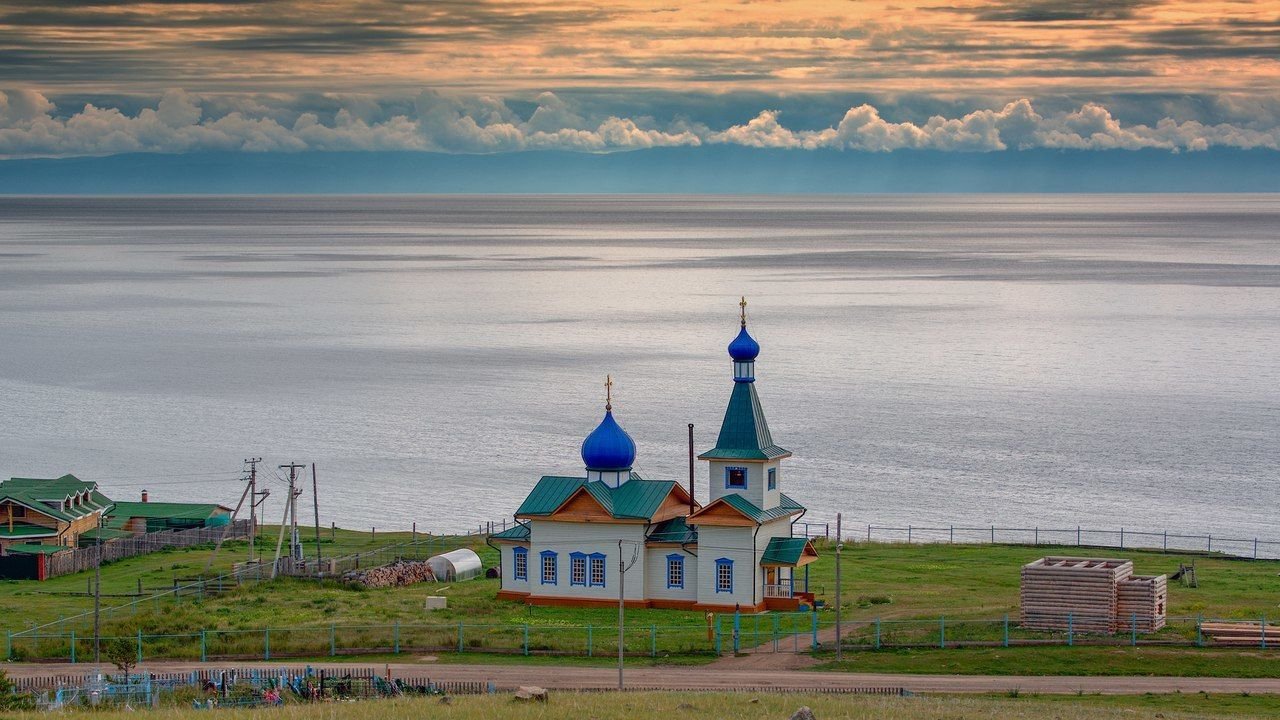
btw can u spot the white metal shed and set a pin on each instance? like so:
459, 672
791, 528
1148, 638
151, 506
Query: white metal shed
462, 564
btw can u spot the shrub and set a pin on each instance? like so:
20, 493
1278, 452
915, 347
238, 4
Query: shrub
10, 698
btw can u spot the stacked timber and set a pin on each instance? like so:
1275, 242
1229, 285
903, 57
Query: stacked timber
1141, 601
398, 573
1241, 634
1069, 593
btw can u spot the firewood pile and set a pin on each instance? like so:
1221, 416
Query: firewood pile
1241, 634
1141, 602
396, 574
1061, 593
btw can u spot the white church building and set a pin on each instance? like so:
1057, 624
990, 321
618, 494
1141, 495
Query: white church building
574, 535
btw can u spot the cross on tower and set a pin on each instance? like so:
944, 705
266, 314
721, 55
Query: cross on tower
743, 305
608, 392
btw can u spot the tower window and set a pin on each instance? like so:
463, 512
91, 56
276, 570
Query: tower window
548, 567
577, 569
597, 570
773, 478
675, 571
520, 564
724, 575
735, 478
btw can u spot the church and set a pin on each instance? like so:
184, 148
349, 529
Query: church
584, 540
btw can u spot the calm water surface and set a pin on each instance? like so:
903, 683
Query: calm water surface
1026, 360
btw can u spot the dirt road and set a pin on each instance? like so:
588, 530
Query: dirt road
721, 678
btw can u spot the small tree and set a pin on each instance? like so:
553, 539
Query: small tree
10, 698
122, 653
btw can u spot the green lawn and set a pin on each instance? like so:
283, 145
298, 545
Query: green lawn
747, 706
908, 588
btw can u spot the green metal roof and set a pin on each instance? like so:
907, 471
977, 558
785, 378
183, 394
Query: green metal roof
105, 533
21, 531
783, 551
744, 434
785, 508
167, 510
519, 531
637, 499
675, 530
36, 493
35, 549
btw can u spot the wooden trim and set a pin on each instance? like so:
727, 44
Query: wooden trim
512, 595
745, 609
672, 604
560, 601
721, 514
790, 604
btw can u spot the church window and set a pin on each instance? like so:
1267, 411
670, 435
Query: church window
520, 563
675, 571
548, 567
773, 478
577, 569
597, 569
735, 478
724, 575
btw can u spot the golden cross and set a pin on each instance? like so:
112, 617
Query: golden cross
743, 305
608, 392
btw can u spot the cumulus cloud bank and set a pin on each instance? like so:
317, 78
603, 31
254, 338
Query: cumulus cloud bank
30, 125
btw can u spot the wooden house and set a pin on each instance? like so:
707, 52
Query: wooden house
44, 512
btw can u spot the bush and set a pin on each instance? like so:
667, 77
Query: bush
10, 698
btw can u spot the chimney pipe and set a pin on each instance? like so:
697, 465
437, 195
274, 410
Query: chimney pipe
691, 502
144, 496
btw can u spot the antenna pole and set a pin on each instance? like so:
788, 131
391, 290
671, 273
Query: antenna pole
315, 498
692, 505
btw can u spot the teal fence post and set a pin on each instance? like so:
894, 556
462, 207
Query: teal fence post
139, 646
653, 641
73, 647
1071, 629
526, 639
590, 642
877, 633
204, 648
942, 631
1199, 631
396, 631
459, 637
814, 625
266, 643
776, 621
1133, 629
716, 624
1006, 630
333, 640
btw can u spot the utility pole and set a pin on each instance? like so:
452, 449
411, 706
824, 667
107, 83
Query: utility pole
315, 498
622, 585
290, 508
839, 546
253, 506
97, 597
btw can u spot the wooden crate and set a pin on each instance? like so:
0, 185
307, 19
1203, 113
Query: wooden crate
1061, 593
1141, 600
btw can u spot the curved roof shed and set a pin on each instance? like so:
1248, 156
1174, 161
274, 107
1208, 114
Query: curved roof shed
461, 564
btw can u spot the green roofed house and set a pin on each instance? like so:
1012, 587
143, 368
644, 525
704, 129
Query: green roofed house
736, 552
51, 513
145, 516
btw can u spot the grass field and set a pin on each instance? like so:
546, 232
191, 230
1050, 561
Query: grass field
907, 587
743, 706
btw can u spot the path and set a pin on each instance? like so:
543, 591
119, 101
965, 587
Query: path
709, 678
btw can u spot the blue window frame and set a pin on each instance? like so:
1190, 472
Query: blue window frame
549, 562
520, 564
577, 568
724, 575
773, 478
735, 478
595, 576
675, 571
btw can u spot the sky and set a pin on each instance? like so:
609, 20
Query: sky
100, 77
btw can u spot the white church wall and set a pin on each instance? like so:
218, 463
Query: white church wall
735, 544
566, 538
756, 481
656, 575
508, 569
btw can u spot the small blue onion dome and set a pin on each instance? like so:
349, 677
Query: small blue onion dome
744, 348
608, 447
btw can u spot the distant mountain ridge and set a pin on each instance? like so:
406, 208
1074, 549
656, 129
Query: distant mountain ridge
704, 170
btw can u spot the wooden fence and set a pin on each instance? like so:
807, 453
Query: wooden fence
74, 561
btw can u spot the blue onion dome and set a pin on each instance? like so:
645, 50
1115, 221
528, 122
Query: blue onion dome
608, 447
744, 348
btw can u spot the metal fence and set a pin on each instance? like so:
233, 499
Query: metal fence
1119, 538
799, 632
85, 558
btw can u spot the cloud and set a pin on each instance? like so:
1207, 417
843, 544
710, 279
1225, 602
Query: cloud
180, 122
